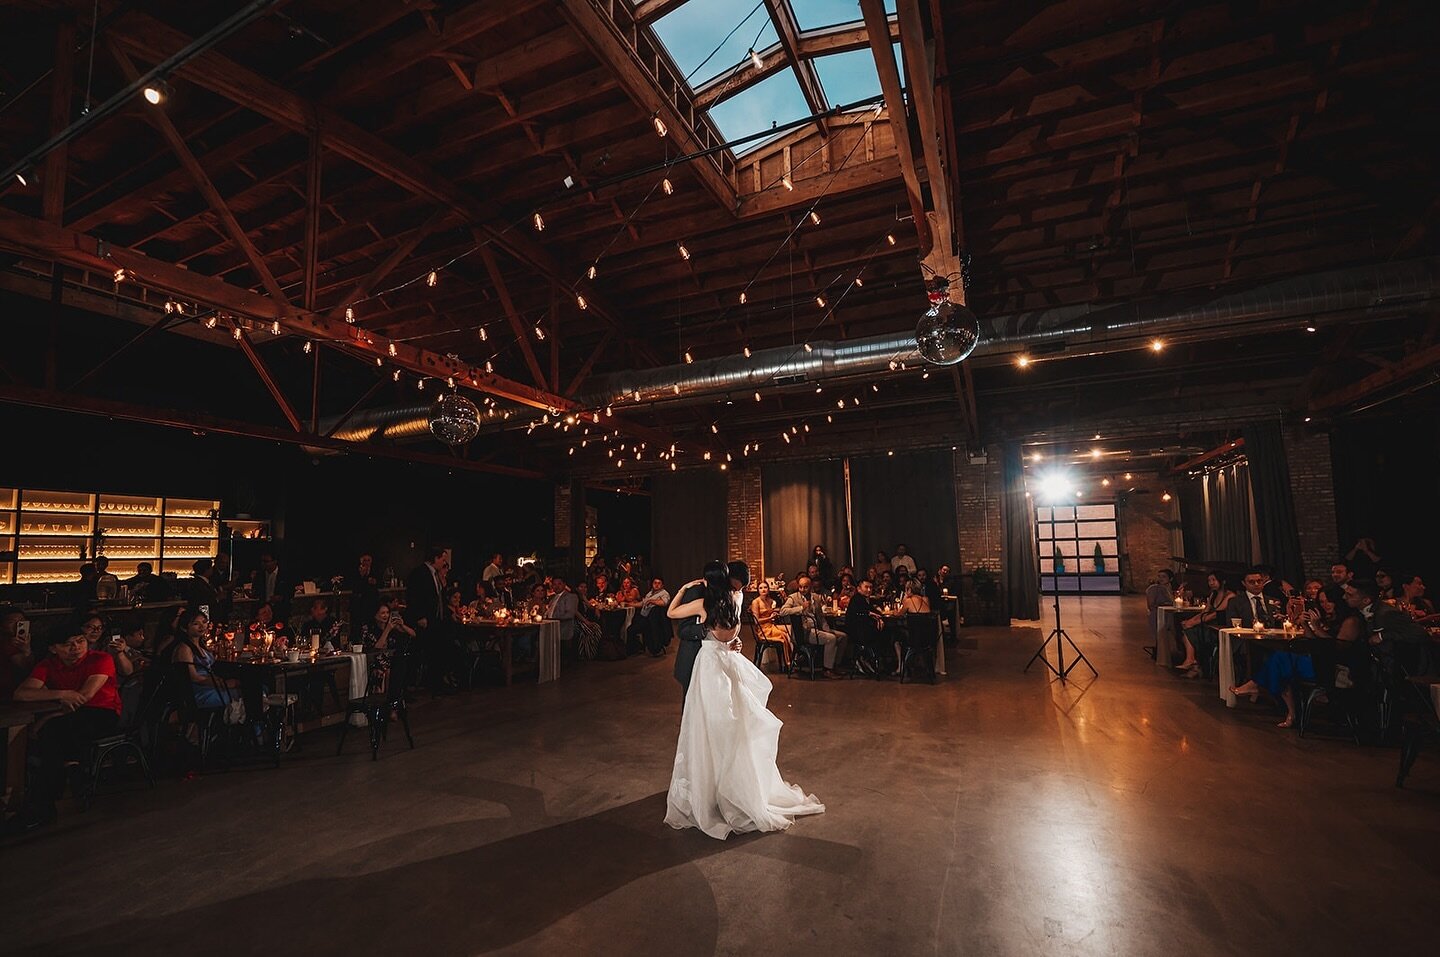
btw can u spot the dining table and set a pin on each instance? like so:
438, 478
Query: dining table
836, 618
1225, 673
16, 717
1166, 641
505, 630
267, 676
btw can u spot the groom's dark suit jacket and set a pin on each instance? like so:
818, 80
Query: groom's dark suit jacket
691, 633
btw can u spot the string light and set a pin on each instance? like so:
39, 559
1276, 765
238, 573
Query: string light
580, 301
591, 272
450, 381
714, 429
275, 328
540, 333
890, 238
839, 403
829, 418
420, 384
1310, 327
707, 456
121, 275
395, 376
747, 350
818, 390
667, 186
820, 301
808, 347
608, 412
489, 366
169, 307
1127, 476
757, 397
688, 357
755, 60
20, 178
814, 217
684, 253
1165, 497
675, 388
785, 181
433, 279
538, 222
307, 347
786, 437
874, 387
1157, 344
894, 365
236, 333
1105, 482
379, 362
1023, 361
859, 281
925, 374
660, 128
743, 298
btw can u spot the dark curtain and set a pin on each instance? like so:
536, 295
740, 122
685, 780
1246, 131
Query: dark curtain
905, 498
687, 523
1215, 516
1274, 507
1022, 570
804, 506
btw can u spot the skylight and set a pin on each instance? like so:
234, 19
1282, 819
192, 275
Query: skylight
693, 35
776, 99
848, 77
814, 14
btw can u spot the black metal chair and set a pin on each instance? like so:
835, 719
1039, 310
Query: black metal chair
1419, 724
127, 740
763, 644
808, 654
1325, 659
377, 705
920, 646
206, 721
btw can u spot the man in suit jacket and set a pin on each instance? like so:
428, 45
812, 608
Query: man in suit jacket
808, 604
690, 629
425, 609
1250, 605
272, 585
863, 624
1391, 628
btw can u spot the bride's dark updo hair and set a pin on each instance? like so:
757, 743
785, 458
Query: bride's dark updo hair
720, 610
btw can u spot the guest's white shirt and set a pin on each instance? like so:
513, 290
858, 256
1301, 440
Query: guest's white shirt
662, 597
905, 560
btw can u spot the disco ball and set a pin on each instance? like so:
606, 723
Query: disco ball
454, 419
947, 334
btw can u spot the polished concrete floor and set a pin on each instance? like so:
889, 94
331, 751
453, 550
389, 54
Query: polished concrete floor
994, 813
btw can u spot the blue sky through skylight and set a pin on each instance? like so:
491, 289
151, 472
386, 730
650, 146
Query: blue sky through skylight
814, 14
848, 77
693, 32
776, 99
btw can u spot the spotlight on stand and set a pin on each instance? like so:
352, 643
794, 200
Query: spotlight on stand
948, 332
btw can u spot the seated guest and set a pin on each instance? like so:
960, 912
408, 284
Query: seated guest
601, 586
647, 627
381, 636
824, 568
210, 690
1391, 629
1199, 633
847, 592
483, 603
808, 603
628, 592
564, 607
146, 585
16, 659
107, 586
454, 603
1384, 586
764, 610
1414, 597
882, 564
1340, 576
902, 559
322, 623
197, 589
126, 650
1276, 590
1250, 606
915, 600
92, 626
863, 624
1160, 593
885, 586
494, 570
82, 682
1277, 675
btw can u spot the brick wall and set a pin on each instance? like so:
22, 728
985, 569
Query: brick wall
1312, 484
744, 522
562, 516
977, 514
1147, 527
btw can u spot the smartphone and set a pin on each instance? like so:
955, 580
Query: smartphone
22, 629
205, 610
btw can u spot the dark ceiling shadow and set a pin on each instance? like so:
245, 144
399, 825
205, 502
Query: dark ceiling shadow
472, 901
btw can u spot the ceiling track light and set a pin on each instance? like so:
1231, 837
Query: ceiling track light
156, 92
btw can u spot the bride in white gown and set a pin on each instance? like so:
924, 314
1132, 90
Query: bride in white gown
725, 780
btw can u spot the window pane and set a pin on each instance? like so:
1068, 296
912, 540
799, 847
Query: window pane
848, 77
1065, 513
813, 14
1042, 513
691, 35
776, 99
1096, 511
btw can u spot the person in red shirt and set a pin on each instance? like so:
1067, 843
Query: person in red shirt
83, 683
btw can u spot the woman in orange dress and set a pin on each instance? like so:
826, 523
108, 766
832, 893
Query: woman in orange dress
763, 608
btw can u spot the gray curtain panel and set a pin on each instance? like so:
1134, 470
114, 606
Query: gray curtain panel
687, 523
804, 506
1274, 504
905, 498
1215, 514
1022, 570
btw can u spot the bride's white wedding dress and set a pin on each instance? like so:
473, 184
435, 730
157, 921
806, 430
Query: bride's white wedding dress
725, 779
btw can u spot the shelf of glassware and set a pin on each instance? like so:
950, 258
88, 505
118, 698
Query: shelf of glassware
8, 499
200, 508
57, 503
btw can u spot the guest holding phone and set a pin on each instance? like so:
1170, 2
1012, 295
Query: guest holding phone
16, 659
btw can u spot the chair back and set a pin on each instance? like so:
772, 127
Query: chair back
798, 634
924, 628
154, 695
180, 690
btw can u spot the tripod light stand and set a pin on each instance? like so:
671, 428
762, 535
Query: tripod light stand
1061, 638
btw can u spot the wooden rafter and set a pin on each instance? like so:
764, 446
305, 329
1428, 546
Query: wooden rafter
263, 372
875, 24
160, 119
52, 200
387, 265
512, 316
782, 15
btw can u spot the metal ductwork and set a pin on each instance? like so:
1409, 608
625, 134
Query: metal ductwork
1368, 292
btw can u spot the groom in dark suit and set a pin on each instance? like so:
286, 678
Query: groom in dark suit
690, 630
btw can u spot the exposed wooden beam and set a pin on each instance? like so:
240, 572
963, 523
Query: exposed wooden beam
52, 200
653, 86
313, 165
511, 316
554, 328
584, 372
264, 373
650, 10
877, 26
854, 177
741, 76
398, 255
160, 119
841, 38
782, 16
1426, 360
